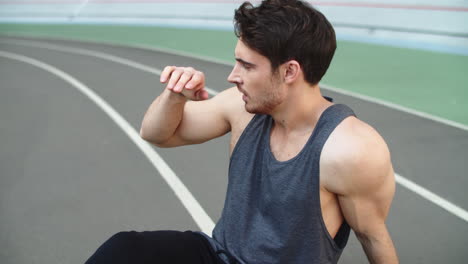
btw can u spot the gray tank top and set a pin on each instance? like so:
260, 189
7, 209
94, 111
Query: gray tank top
272, 209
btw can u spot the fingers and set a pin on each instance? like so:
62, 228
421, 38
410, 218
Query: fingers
174, 79
166, 73
184, 79
180, 78
197, 79
200, 95
203, 94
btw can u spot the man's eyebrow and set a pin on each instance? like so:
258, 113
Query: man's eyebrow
245, 62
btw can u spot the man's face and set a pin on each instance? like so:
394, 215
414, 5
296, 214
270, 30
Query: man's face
262, 90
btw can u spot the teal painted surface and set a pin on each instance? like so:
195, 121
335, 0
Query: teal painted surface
431, 82
435, 83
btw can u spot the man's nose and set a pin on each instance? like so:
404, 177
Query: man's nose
233, 76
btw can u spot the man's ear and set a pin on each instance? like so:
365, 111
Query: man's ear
292, 70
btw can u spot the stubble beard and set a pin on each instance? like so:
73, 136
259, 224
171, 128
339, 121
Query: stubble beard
265, 104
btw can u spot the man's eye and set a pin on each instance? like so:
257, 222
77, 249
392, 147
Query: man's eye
246, 66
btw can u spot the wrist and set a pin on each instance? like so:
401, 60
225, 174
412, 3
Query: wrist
175, 97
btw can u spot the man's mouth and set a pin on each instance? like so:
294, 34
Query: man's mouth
244, 95
241, 91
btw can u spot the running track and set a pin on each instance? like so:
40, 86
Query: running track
71, 176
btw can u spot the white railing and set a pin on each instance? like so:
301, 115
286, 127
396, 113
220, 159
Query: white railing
435, 22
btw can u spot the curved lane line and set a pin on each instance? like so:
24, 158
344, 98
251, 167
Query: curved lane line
396, 107
212, 60
322, 85
410, 185
434, 198
96, 54
146, 68
188, 200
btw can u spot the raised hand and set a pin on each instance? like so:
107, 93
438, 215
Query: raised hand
186, 81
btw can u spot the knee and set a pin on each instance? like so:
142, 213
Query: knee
118, 247
124, 238
124, 235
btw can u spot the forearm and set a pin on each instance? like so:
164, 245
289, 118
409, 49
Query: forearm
163, 117
379, 248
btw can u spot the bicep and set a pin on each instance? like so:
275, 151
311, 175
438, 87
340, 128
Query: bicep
366, 208
201, 121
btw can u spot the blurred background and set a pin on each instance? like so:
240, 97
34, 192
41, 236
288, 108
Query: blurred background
67, 177
413, 53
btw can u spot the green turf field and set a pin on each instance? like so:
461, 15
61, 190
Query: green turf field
431, 82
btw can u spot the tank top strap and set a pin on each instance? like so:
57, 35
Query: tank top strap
328, 121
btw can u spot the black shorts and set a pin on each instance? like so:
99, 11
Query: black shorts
156, 247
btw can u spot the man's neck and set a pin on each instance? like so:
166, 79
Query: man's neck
300, 111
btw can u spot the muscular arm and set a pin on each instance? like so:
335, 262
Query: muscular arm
182, 114
362, 177
366, 210
163, 117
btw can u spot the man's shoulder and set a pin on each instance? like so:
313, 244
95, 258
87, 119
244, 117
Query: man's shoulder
231, 103
355, 153
353, 138
230, 100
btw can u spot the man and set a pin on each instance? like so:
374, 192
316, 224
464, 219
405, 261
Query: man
303, 170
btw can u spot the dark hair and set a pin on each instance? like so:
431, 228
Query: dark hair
283, 30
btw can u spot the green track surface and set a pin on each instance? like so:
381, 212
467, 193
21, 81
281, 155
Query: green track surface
434, 83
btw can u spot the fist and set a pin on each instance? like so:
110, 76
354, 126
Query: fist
186, 81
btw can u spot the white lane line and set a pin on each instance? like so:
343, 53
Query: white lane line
92, 53
322, 85
188, 200
432, 197
423, 192
217, 61
396, 107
